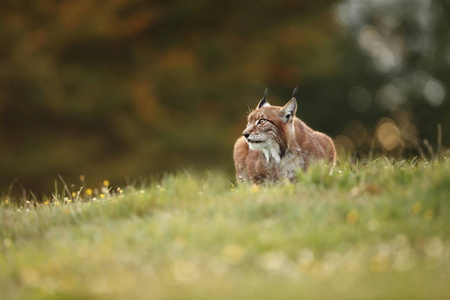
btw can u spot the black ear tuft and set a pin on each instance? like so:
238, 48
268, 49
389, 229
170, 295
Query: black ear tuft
263, 101
294, 93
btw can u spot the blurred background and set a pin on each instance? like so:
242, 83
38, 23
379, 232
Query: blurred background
125, 89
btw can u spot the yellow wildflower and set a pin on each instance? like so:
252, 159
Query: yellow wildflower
352, 216
105, 182
89, 192
74, 194
254, 189
102, 196
416, 208
233, 253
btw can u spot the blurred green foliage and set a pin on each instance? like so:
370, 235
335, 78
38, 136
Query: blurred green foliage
121, 89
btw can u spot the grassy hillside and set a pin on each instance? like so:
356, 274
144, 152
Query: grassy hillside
375, 231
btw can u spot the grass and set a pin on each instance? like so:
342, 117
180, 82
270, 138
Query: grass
374, 231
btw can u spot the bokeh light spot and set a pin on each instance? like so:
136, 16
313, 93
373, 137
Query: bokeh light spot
388, 134
434, 92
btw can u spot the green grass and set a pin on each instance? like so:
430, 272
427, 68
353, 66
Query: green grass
373, 231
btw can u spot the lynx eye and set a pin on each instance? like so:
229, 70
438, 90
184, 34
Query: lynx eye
261, 121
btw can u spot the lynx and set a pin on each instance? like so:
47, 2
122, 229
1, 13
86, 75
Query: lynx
276, 145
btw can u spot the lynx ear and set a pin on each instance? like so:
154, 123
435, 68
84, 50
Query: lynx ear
263, 102
288, 111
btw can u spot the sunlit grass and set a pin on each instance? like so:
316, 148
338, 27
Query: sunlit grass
377, 230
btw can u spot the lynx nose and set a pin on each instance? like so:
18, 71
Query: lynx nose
245, 134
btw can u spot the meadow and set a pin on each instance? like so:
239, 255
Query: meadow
377, 230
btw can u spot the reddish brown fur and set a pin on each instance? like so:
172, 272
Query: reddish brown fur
296, 144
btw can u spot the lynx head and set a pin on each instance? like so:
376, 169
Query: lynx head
270, 128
